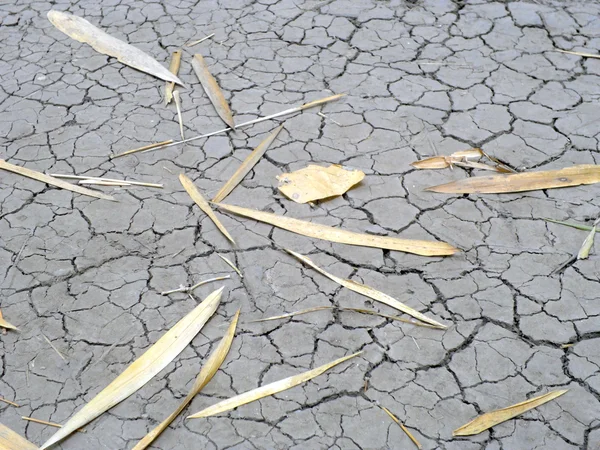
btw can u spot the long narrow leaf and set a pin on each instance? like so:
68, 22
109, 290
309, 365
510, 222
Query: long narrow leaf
578, 226
315, 230
155, 359
488, 420
9, 440
141, 149
246, 166
8, 326
587, 245
368, 291
212, 89
208, 371
174, 69
198, 198
81, 30
521, 182
39, 176
406, 430
269, 389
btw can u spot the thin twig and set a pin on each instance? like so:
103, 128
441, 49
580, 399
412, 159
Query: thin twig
191, 44
43, 422
9, 402
177, 98
190, 289
112, 180
53, 347
329, 118
408, 433
229, 263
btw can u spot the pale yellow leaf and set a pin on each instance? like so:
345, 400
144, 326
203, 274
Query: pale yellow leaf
587, 245
408, 433
174, 69
316, 182
246, 166
141, 149
488, 420
269, 389
317, 231
9, 440
232, 265
39, 176
209, 369
155, 359
8, 326
81, 30
368, 291
193, 192
212, 89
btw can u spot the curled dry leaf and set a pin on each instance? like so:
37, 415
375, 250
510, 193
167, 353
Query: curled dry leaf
269, 389
368, 291
488, 420
209, 369
81, 30
521, 182
155, 359
317, 231
39, 176
316, 182
9, 440
212, 89
246, 166
193, 192
174, 69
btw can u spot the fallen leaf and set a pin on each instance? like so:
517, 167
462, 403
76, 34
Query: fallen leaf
178, 105
212, 89
269, 389
368, 292
317, 231
232, 265
209, 369
246, 166
155, 359
316, 182
9, 440
443, 162
141, 149
81, 30
2, 320
585, 55
488, 420
8, 326
371, 312
203, 204
521, 182
408, 433
174, 69
587, 245
190, 289
39, 176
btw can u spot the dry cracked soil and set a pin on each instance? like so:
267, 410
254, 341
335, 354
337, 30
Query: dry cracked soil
423, 78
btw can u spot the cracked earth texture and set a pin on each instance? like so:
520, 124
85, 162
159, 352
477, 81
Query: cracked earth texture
422, 77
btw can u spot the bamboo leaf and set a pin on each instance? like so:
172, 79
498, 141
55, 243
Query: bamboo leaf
193, 192
368, 291
232, 265
9, 440
488, 420
81, 30
408, 433
246, 166
317, 231
39, 176
174, 69
269, 389
155, 359
212, 89
316, 182
8, 326
209, 369
587, 245
521, 182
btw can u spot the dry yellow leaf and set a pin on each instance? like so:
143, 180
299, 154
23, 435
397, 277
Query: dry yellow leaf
316, 182
269, 389
232, 265
141, 149
39, 176
368, 291
174, 69
317, 231
9, 440
521, 182
137, 374
408, 433
8, 326
208, 371
212, 89
246, 166
203, 204
81, 30
488, 420
443, 162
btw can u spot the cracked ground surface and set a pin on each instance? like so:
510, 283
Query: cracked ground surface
422, 77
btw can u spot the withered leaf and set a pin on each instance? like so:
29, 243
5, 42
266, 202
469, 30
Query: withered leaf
315, 230
443, 162
316, 182
174, 69
155, 359
39, 176
488, 420
521, 182
212, 89
81, 30
408, 433
9, 440
269, 389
